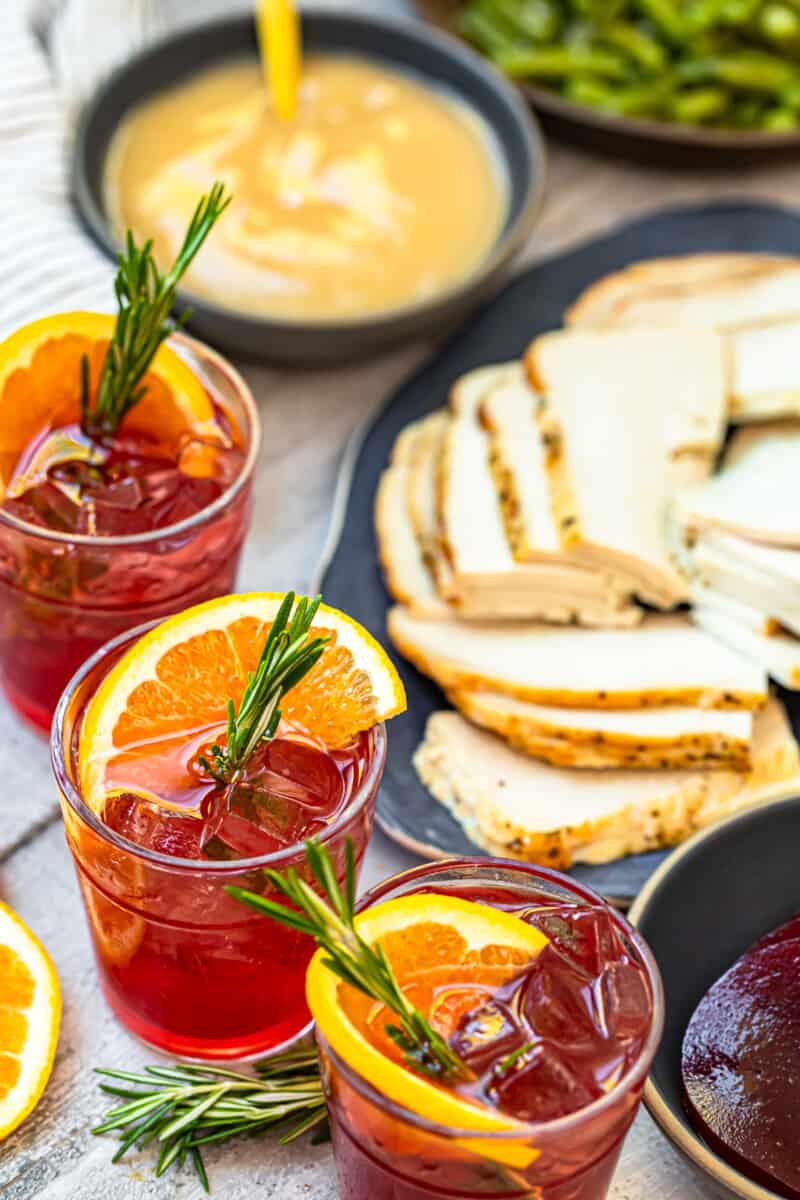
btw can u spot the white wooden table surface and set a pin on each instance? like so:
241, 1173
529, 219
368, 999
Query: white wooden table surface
307, 417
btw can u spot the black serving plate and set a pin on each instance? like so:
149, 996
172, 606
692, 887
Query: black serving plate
710, 900
350, 577
404, 45
637, 137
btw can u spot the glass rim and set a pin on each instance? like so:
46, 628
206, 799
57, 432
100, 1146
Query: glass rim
190, 866
181, 343
637, 1071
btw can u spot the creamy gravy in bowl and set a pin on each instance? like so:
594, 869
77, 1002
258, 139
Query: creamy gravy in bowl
382, 193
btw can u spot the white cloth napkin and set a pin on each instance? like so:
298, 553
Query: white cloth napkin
52, 53
87, 38
47, 263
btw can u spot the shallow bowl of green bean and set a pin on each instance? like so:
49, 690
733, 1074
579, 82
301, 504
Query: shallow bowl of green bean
659, 77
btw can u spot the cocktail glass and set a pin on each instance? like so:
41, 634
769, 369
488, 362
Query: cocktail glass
385, 1152
63, 595
186, 968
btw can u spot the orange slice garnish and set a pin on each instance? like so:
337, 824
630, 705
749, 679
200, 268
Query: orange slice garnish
30, 1015
40, 386
177, 679
448, 955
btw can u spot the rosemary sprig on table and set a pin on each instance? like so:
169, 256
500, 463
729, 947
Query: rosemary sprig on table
145, 297
365, 967
289, 654
182, 1108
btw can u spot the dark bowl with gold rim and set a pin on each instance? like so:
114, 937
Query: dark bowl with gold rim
702, 909
406, 46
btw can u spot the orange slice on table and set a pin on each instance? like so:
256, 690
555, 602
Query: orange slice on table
30, 1015
178, 678
40, 386
448, 955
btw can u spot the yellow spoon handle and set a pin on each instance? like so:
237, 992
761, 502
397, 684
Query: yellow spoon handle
279, 36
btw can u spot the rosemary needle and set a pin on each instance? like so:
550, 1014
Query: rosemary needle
330, 921
289, 653
182, 1108
145, 297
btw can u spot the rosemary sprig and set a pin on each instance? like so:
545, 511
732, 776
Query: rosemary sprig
365, 967
145, 297
289, 654
505, 1064
182, 1108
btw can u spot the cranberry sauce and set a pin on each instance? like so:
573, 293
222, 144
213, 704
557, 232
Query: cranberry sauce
741, 1063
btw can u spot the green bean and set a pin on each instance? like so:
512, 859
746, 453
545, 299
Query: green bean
790, 96
778, 119
539, 20
698, 105
642, 100
666, 17
733, 63
557, 63
702, 15
584, 89
747, 113
748, 71
780, 24
639, 46
756, 72
600, 12
740, 12
580, 35
483, 32
711, 44
634, 101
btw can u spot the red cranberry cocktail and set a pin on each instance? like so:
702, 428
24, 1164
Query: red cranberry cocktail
126, 459
564, 1048
92, 549
184, 966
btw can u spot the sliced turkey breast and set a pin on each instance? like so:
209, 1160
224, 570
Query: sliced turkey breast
634, 738
781, 565
422, 477
514, 806
665, 660
777, 654
753, 589
517, 458
755, 495
765, 371
405, 573
644, 288
481, 576
754, 619
721, 295
620, 444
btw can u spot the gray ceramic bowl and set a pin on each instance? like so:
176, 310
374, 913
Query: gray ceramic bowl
406, 45
699, 912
